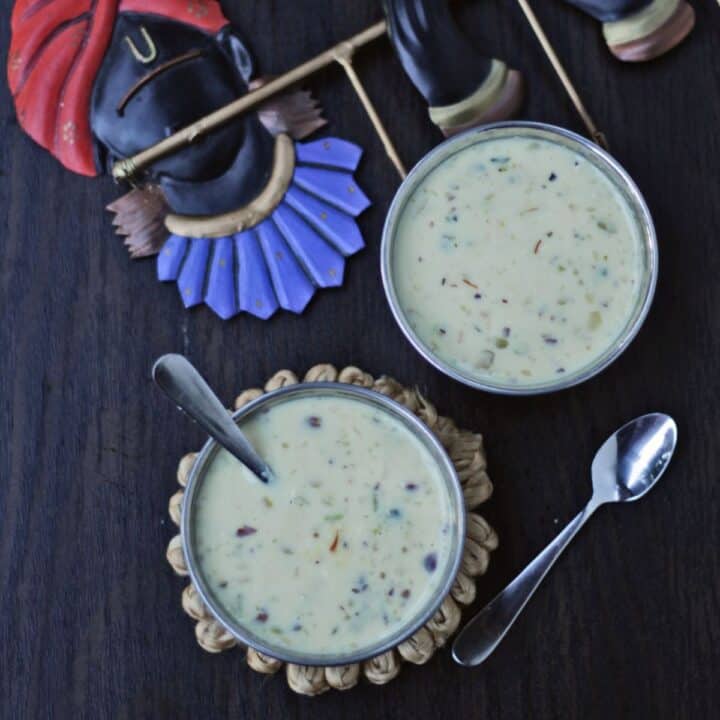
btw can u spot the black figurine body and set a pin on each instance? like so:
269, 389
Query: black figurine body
135, 104
462, 86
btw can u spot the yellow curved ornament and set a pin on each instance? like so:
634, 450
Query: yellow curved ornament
216, 226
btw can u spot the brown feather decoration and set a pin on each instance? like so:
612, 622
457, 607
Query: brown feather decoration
140, 218
296, 113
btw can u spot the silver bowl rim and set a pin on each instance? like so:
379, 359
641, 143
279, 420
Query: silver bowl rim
616, 173
455, 496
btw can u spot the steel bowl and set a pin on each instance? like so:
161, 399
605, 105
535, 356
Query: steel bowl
583, 147
455, 496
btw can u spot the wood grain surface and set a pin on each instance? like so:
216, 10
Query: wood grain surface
626, 626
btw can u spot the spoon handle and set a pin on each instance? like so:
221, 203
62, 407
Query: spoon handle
484, 632
178, 378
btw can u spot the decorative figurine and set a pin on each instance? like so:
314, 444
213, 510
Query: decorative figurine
638, 30
245, 218
463, 88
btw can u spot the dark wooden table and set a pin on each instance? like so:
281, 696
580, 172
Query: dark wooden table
628, 624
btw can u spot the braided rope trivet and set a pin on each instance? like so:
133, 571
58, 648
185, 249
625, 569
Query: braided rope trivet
465, 450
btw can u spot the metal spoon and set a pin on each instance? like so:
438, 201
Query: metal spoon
178, 378
628, 464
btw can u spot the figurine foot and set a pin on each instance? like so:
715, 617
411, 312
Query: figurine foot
509, 101
676, 19
504, 102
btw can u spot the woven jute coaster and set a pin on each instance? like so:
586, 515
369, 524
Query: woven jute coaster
465, 449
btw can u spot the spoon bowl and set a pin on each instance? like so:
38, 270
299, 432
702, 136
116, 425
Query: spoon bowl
633, 458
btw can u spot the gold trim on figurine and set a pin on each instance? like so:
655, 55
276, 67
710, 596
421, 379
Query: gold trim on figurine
498, 97
650, 32
151, 53
641, 23
216, 226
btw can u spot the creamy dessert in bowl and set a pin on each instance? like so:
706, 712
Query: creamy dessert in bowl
348, 549
519, 258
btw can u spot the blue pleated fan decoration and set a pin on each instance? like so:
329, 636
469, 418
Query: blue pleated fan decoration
281, 262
